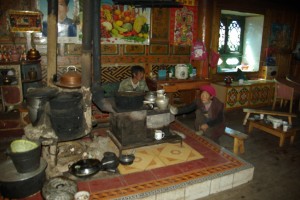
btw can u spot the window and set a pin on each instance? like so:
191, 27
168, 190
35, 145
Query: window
239, 42
230, 41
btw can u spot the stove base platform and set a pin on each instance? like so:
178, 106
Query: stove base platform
169, 138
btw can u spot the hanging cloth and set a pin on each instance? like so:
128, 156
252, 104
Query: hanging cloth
198, 51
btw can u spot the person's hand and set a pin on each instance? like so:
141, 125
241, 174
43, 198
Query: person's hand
204, 127
173, 110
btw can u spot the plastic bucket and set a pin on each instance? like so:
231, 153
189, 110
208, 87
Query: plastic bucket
25, 155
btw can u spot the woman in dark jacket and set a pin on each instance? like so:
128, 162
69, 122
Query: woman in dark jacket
209, 113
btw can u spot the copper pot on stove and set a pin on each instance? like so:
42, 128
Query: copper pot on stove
70, 79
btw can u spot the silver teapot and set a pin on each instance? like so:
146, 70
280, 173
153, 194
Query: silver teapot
162, 101
150, 96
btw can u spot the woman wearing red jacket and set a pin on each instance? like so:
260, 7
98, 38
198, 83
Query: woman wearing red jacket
209, 113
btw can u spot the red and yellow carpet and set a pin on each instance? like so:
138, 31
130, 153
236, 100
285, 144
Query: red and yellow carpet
162, 155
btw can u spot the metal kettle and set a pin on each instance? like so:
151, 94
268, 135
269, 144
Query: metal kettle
110, 161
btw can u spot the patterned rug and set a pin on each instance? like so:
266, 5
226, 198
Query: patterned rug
161, 155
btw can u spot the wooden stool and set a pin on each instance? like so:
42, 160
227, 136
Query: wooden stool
239, 137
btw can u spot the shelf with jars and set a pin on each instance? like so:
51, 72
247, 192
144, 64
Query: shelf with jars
31, 74
10, 84
18, 72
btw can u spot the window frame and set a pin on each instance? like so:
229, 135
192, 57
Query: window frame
225, 53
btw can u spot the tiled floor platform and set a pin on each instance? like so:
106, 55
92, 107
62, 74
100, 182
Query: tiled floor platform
215, 171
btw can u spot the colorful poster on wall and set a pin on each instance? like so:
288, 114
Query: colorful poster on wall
69, 23
124, 24
183, 25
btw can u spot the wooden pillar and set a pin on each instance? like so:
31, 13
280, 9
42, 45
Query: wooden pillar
204, 31
52, 40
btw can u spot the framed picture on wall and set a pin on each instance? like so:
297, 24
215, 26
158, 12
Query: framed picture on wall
181, 50
23, 21
109, 49
160, 24
134, 49
69, 21
124, 24
162, 49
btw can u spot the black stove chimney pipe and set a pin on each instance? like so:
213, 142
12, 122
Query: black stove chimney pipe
96, 43
86, 62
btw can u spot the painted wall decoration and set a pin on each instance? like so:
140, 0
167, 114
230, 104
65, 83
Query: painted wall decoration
159, 49
160, 33
188, 2
280, 38
181, 50
183, 25
134, 49
109, 49
124, 24
69, 25
22, 21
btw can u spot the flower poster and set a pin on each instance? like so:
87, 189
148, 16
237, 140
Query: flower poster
183, 25
124, 24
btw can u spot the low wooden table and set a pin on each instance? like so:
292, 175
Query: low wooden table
261, 125
249, 111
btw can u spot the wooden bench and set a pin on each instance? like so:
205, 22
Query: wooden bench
239, 137
249, 111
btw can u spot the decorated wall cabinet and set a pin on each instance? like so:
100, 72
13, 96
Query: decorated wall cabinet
249, 94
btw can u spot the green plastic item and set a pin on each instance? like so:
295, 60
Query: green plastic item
190, 70
19, 146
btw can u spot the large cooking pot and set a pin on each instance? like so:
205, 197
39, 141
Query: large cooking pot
129, 100
15, 185
67, 126
70, 79
66, 100
36, 99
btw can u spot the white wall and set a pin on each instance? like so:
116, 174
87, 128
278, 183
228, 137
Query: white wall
252, 41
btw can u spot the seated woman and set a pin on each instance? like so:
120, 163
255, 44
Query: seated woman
136, 82
209, 113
